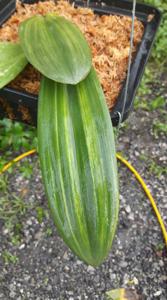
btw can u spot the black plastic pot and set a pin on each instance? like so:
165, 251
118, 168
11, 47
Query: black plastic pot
21, 104
6, 9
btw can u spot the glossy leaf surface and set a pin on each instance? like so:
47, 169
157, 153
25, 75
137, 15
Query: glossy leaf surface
78, 162
12, 62
56, 47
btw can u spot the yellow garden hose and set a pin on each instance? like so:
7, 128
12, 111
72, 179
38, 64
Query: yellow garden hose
128, 165
147, 191
18, 158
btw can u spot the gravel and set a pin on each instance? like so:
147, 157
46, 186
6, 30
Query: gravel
45, 269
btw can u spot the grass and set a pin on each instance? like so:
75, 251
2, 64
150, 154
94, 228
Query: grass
12, 210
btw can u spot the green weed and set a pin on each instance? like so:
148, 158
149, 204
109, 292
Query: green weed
14, 136
49, 231
158, 103
157, 64
144, 90
26, 169
15, 239
40, 214
159, 52
12, 209
3, 183
153, 167
8, 257
46, 280
159, 128
159, 247
156, 169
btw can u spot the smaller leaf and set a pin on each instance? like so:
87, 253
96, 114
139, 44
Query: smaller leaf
12, 62
56, 47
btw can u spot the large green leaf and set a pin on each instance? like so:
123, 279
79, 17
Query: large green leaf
12, 62
56, 47
78, 162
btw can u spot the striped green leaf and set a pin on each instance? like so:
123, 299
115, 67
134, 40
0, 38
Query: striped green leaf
78, 162
56, 47
12, 62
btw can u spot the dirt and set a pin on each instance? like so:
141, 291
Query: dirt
47, 270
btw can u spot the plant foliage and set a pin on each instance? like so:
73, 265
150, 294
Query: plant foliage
56, 47
159, 52
76, 142
78, 162
12, 62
